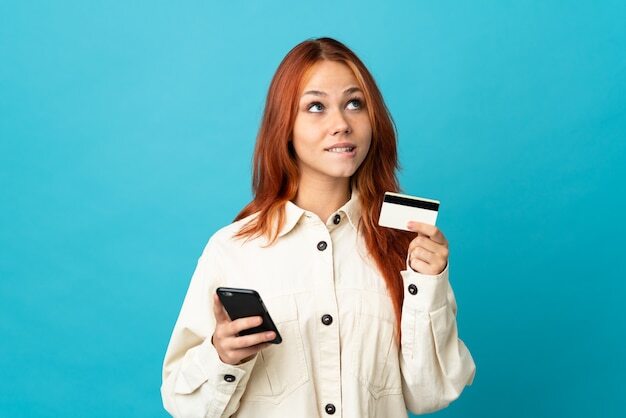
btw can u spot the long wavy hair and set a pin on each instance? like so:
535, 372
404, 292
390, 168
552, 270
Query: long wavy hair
275, 170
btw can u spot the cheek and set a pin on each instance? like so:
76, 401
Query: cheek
304, 137
365, 151
297, 137
302, 148
363, 128
367, 140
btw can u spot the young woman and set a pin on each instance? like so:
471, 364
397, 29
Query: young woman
367, 314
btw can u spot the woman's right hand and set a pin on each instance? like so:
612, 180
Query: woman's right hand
234, 349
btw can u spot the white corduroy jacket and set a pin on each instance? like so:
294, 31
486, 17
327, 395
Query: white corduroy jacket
351, 367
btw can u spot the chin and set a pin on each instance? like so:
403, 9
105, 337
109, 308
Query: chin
341, 174
332, 170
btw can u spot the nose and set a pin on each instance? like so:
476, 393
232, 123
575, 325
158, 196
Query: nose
340, 124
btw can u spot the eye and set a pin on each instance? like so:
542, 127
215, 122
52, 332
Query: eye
358, 103
313, 105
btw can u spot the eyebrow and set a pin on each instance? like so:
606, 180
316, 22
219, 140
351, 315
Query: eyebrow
349, 90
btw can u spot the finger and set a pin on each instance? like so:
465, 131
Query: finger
241, 324
435, 265
218, 310
422, 254
253, 339
426, 243
250, 351
422, 266
429, 230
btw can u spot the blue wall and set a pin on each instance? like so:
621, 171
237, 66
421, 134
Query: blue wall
127, 130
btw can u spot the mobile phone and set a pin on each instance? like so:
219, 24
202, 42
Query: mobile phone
241, 303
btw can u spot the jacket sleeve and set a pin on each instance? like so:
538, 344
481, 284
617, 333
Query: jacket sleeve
436, 365
194, 383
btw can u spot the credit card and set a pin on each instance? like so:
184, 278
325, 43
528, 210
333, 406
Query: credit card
398, 209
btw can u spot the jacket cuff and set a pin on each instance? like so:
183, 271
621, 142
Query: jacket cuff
206, 365
424, 292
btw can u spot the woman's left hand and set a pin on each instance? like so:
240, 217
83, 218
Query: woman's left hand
428, 252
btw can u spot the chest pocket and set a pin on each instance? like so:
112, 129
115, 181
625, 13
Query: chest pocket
375, 362
279, 368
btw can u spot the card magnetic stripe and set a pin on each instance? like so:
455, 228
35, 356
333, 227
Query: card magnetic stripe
412, 202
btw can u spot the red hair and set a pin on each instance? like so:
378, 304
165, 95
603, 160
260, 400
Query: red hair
276, 176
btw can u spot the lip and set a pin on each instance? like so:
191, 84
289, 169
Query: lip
341, 145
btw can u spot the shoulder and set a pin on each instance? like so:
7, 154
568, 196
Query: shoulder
224, 241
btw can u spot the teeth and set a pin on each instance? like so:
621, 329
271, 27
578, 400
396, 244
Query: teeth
346, 149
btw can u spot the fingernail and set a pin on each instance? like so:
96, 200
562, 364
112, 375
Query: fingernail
269, 335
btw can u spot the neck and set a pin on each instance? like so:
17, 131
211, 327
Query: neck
322, 197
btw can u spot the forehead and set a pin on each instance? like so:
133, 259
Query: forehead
329, 76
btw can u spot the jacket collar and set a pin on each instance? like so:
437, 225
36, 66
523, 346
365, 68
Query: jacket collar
295, 214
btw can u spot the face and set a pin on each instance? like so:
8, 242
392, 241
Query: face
332, 131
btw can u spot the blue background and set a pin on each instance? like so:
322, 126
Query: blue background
127, 131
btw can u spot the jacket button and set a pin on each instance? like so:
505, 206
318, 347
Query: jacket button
322, 245
327, 319
413, 289
229, 378
330, 409
337, 219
